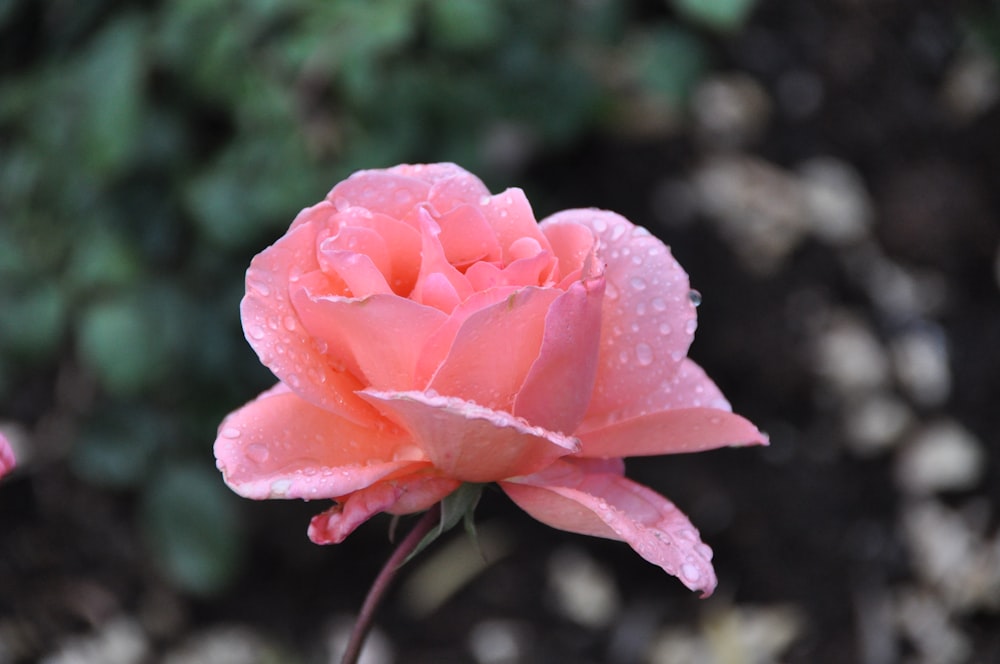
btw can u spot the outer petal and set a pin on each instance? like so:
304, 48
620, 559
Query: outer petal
274, 330
398, 496
379, 337
7, 461
557, 390
494, 349
281, 446
671, 432
588, 499
388, 192
470, 442
648, 320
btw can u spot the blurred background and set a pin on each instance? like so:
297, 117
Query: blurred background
826, 172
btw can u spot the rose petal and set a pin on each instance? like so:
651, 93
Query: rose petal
648, 320
573, 245
454, 189
360, 274
276, 333
671, 432
281, 446
470, 442
392, 193
379, 336
440, 342
589, 499
402, 495
511, 217
7, 461
557, 389
494, 349
435, 270
466, 237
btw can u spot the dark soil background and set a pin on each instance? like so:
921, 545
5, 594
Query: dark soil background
829, 183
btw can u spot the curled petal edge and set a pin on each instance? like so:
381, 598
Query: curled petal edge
581, 498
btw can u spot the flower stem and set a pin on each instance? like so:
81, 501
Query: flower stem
365, 618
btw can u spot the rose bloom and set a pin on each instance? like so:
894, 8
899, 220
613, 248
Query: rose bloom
426, 333
7, 461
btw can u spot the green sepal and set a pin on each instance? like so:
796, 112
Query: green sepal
460, 504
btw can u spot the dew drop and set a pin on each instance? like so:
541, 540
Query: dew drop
640, 309
644, 354
256, 332
258, 453
690, 572
294, 381
659, 304
665, 329
637, 260
290, 323
280, 487
611, 291
638, 283
695, 297
690, 326
623, 357
230, 432
618, 231
259, 286
600, 225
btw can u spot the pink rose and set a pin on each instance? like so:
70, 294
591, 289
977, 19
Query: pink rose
7, 461
426, 333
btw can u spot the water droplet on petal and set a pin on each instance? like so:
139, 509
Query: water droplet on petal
644, 354
659, 304
258, 453
638, 283
618, 231
230, 432
665, 329
691, 326
600, 225
695, 297
280, 487
259, 286
690, 572
290, 323
294, 381
623, 357
256, 332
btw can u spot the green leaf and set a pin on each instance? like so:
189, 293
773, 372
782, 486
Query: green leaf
721, 15
119, 342
33, 320
668, 62
459, 505
109, 83
464, 25
191, 527
115, 449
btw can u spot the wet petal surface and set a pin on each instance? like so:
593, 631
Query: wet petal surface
468, 441
591, 499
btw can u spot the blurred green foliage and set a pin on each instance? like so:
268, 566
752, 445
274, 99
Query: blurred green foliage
147, 150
